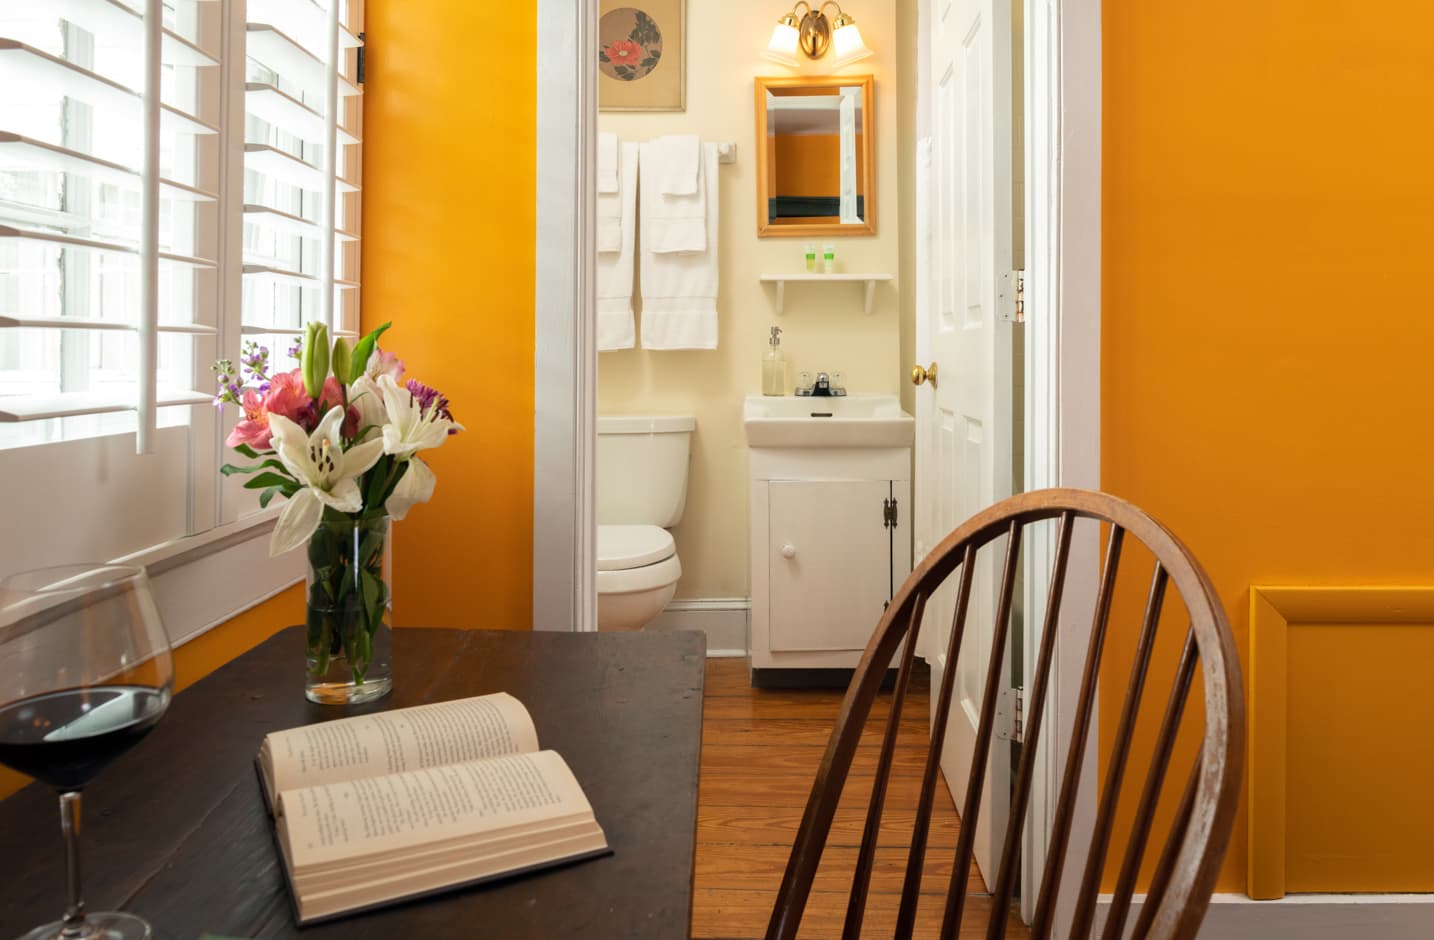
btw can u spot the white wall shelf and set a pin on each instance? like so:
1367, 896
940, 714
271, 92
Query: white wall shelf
871, 280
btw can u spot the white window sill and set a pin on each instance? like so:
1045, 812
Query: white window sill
203, 580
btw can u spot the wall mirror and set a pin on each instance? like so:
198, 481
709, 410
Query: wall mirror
816, 156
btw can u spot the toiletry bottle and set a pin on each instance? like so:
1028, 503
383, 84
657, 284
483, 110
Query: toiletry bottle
811, 254
774, 366
829, 258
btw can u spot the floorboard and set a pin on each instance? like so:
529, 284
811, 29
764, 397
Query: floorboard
760, 751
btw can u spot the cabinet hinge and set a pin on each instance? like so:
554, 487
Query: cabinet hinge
1010, 705
1012, 296
359, 64
888, 513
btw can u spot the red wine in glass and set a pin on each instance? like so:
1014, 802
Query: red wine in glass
85, 674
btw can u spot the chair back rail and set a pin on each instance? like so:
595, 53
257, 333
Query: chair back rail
1189, 860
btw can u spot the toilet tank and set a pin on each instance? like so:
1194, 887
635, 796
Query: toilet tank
642, 468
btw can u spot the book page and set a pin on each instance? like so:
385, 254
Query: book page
397, 741
365, 817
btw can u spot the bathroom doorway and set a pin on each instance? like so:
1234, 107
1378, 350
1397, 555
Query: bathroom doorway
1062, 294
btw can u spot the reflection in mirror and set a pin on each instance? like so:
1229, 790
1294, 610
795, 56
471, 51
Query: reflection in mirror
816, 155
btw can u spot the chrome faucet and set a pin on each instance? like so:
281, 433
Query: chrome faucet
822, 386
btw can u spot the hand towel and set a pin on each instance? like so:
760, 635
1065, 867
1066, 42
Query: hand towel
610, 199
679, 290
614, 268
671, 223
607, 163
682, 159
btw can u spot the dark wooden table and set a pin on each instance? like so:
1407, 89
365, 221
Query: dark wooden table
176, 830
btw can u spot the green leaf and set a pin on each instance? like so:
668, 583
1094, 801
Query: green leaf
286, 484
267, 496
363, 351
244, 450
230, 469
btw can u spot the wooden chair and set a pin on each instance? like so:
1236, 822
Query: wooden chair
1190, 859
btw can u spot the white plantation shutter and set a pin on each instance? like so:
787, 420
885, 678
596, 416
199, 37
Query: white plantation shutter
176, 177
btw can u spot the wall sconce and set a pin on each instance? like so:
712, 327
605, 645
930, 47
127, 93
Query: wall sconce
814, 34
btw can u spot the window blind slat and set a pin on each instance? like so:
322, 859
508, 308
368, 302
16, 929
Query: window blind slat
18, 321
22, 65
75, 404
287, 113
118, 23
19, 153
8, 232
277, 52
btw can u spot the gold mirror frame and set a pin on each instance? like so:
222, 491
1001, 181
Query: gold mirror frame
767, 229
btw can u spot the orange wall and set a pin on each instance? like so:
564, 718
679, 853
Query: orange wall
448, 230
1265, 378
806, 165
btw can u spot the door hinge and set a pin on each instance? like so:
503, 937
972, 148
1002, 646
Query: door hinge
888, 513
359, 64
1012, 297
1010, 704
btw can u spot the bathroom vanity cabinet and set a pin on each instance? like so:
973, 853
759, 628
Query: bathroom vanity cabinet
830, 542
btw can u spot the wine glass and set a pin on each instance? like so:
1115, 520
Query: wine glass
85, 673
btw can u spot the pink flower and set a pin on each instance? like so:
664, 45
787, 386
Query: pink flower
384, 363
254, 428
623, 52
287, 397
331, 395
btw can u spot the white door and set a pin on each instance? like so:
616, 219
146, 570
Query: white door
964, 423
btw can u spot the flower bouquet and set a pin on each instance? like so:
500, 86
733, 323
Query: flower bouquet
338, 437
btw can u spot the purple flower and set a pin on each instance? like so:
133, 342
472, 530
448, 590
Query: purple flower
429, 400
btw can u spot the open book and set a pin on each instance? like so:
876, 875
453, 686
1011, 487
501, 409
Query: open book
382, 807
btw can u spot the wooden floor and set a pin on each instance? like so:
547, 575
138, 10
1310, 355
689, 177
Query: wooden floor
760, 751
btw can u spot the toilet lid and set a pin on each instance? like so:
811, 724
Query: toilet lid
620, 547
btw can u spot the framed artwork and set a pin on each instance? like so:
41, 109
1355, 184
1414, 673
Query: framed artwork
641, 55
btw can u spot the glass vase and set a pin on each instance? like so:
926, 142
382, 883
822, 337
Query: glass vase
349, 640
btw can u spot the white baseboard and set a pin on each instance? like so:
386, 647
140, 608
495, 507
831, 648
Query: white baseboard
723, 619
1307, 917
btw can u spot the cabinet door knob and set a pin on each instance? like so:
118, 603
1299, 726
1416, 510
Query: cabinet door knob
789, 551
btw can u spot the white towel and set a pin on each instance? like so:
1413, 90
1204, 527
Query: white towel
682, 162
607, 159
610, 199
614, 269
671, 223
679, 290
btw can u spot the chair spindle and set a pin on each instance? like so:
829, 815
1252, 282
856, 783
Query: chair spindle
861, 876
1020, 799
911, 886
1115, 772
1080, 733
971, 812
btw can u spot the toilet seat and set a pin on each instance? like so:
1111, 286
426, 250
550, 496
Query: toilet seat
635, 558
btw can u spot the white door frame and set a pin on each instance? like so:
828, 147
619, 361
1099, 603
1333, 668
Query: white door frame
1063, 225
564, 344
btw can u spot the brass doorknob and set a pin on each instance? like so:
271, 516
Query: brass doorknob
920, 375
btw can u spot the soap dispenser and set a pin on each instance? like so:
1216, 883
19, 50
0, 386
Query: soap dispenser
774, 366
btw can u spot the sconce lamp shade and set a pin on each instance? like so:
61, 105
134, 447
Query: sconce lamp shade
847, 45
782, 47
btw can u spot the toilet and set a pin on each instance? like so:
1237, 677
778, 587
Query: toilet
641, 492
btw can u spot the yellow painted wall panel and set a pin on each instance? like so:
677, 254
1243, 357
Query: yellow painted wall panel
1360, 758
448, 256
1264, 195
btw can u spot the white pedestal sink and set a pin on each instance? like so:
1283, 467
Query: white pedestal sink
818, 421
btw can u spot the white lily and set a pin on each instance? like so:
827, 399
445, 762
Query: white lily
327, 471
367, 398
409, 429
415, 486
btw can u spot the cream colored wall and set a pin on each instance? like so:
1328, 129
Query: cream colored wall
823, 325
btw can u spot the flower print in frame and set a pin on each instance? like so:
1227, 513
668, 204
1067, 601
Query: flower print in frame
641, 60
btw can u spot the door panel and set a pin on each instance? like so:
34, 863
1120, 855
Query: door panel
965, 422
829, 563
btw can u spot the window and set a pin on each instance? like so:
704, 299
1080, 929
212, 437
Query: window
108, 443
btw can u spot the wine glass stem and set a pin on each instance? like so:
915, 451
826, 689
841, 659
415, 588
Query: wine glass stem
74, 922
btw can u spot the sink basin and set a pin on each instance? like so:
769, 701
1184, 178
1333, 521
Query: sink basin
842, 421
